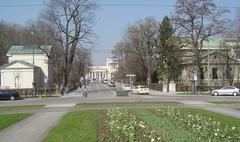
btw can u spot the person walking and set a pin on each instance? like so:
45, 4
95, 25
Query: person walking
85, 92
62, 89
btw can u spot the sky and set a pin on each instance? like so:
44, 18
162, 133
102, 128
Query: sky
113, 17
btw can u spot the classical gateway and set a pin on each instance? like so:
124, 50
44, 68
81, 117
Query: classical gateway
101, 72
27, 64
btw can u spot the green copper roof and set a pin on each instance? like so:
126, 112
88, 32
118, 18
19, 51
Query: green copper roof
29, 49
211, 44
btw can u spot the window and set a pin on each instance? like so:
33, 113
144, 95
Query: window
201, 73
214, 73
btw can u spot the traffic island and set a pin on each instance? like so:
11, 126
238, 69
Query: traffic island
122, 93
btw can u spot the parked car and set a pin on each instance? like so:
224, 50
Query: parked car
226, 90
126, 87
140, 89
111, 84
9, 95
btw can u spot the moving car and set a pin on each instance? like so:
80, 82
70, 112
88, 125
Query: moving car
226, 90
9, 95
140, 89
111, 84
126, 87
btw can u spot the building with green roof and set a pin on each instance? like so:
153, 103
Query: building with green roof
219, 60
27, 64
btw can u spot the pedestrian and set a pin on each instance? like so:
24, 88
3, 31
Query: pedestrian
62, 89
80, 84
85, 92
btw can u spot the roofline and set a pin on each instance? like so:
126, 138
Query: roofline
18, 61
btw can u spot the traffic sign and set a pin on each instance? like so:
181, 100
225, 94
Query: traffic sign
130, 75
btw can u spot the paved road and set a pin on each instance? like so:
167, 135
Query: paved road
35, 128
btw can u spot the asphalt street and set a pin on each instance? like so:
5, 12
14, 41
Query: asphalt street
36, 127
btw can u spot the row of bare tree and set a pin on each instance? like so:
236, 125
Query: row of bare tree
67, 26
149, 48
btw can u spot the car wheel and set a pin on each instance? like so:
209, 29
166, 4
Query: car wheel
12, 98
235, 93
215, 93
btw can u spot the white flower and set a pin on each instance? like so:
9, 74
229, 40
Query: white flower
215, 134
152, 139
233, 128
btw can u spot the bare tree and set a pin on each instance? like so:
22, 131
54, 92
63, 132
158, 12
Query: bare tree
9, 35
198, 20
73, 20
137, 50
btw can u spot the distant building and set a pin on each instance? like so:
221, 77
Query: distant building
101, 72
26, 64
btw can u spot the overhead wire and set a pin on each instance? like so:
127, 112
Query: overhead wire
111, 5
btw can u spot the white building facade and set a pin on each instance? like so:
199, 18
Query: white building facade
27, 64
102, 72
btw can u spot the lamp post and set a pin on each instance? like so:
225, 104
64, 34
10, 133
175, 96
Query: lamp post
208, 67
33, 53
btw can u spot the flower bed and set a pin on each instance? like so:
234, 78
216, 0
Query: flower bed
124, 126
207, 129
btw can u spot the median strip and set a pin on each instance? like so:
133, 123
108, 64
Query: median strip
20, 107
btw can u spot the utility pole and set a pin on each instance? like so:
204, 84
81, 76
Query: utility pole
148, 64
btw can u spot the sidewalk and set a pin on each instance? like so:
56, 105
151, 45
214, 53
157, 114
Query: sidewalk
31, 129
156, 92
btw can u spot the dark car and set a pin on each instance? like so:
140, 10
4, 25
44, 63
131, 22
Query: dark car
9, 95
111, 84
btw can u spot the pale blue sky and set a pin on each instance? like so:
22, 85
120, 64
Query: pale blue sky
113, 17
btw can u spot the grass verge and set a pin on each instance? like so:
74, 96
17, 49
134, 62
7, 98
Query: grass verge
78, 126
9, 119
21, 107
225, 102
194, 94
125, 103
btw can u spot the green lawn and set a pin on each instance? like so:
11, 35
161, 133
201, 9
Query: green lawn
75, 127
9, 119
225, 102
21, 107
86, 125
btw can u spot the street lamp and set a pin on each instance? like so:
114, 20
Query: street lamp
208, 66
33, 53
